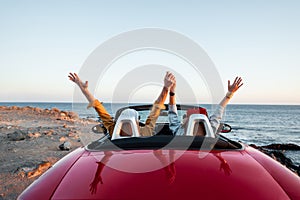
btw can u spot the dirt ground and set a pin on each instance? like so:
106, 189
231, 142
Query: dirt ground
30, 140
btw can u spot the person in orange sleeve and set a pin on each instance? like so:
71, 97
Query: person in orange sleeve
108, 121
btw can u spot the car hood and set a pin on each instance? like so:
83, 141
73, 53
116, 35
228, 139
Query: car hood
168, 174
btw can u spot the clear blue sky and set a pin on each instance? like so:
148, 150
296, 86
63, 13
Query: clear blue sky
41, 41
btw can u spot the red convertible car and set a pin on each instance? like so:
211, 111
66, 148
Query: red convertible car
165, 167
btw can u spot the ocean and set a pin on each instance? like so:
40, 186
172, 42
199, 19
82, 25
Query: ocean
251, 124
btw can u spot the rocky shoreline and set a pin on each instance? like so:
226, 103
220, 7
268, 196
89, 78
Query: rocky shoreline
32, 140
276, 151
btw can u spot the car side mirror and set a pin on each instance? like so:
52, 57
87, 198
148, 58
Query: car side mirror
226, 128
99, 129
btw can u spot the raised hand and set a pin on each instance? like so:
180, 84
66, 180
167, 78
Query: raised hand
83, 86
236, 84
169, 80
75, 78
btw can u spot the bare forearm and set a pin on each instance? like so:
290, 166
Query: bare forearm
82, 85
163, 96
172, 100
88, 94
224, 102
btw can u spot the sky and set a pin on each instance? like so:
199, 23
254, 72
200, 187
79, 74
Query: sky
42, 41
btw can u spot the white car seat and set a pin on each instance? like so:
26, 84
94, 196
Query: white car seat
196, 118
126, 125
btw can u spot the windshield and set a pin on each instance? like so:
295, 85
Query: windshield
163, 117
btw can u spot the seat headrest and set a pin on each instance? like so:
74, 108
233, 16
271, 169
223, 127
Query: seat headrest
127, 119
129, 113
196, 118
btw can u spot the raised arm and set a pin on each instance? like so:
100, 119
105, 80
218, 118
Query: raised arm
83, 87
174, 122
158, 105
218, 114
172, 99
232, 88
93, 102
168, 82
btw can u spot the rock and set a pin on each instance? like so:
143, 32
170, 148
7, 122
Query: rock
17, 135
3, 108
55, 110
64, 114
65, 146
26, 108
14, 108
278, 155
39, 170
62, 139
47, 111
38, 110
34, 135
73, 115
282, 146
49, 133
33, 169
71, 134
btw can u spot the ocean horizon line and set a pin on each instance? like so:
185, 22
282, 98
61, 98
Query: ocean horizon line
121, 102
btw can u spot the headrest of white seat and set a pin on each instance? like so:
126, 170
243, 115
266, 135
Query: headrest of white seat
196, 118
128, 116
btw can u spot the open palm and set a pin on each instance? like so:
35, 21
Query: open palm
236, 84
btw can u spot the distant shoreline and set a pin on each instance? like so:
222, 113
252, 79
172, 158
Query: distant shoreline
188, 103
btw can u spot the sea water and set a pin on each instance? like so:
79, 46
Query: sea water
251, 124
